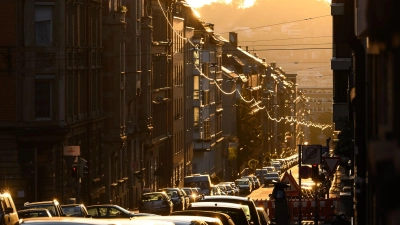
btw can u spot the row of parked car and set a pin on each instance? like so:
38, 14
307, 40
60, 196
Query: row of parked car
167, 200
207, 210
54, 209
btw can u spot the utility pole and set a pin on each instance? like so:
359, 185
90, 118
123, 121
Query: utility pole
78, 192
316, 203
300, 211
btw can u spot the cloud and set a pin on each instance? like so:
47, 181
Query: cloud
241, 4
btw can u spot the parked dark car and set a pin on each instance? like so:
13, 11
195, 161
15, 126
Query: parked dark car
156, 203
192, 193
53, 206
254, 218
34, 212
260, 173
75, 210
176, 197
252, 180
230, 190
269, 177
244, 185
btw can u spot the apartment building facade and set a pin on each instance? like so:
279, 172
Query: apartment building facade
365, 65
52, 85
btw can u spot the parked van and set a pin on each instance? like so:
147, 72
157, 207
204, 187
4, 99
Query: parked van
8, 211
202, 181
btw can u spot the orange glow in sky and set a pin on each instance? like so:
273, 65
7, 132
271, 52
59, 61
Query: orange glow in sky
243, 3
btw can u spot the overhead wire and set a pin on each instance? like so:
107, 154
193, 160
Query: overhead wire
251, 28
284, 39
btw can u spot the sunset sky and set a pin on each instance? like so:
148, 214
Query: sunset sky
296, 34
241, 3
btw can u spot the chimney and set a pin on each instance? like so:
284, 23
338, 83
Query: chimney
247, 48
273, 64
233, 39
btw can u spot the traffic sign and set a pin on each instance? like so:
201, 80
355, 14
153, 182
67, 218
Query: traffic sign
293, 188
331, 163
305, 172
311, 154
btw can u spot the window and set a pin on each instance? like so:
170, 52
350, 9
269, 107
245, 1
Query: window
43, 97
196, 87
43, 25
206, 97
196, 116
207, 132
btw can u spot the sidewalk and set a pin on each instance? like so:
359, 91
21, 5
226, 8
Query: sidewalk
340, 180
336, 187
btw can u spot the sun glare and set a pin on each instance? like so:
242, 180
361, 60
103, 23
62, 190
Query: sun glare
196, 13
247, 4
243, 4
201, 3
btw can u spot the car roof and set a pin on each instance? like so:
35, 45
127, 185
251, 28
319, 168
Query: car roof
110, 206
215, 204
104, 205
154, 192
219, 197
40, 203
187, 188
73, 205
64, 220
137, 221
225, 218
32, 210
273, 173
176, 218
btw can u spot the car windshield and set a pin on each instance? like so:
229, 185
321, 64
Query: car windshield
151, 197
187, 191
51, 208
121, 209
242, 182
72, 210
172, 193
